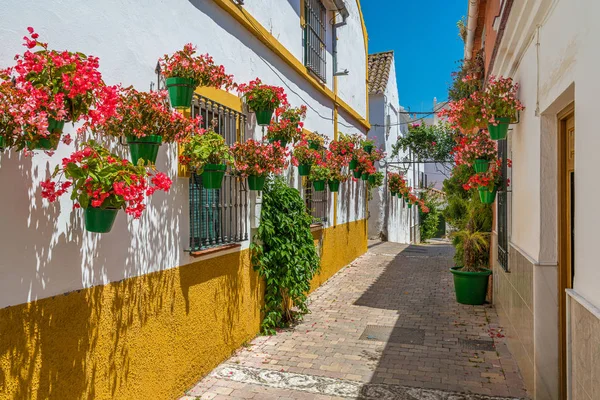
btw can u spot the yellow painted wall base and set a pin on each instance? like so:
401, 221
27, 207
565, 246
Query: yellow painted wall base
148, 337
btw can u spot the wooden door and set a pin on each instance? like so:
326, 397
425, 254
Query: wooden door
566, 214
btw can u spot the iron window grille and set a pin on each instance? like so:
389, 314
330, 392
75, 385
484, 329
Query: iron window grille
315, 52
218, 216
502, 201
317, 203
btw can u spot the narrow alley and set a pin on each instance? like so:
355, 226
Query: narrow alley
385, 327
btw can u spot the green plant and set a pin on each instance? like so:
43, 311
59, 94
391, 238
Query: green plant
461, 24
376, 180
468, 79
207, 148
260, 97
473, 244
319, 172
427, 142
430, 220
284, 254
499, 100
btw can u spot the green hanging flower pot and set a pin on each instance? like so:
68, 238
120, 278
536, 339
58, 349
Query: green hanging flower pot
212, 176
368, 148
100, 220
282, 142
353, 164
313, 144
481, 165
256, 182
364, 176
144, 148
51, 142
319, 186
499, 132
356, 174
486, 196
394, 194
2, 143
304, 169
334, 185
263, 117
409, 205
371, 179
181, 91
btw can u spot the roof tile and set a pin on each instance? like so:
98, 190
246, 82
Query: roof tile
380, 65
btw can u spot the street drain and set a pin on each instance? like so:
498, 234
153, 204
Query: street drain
390, 334
481, 345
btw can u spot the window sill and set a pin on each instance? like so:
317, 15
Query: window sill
214, 250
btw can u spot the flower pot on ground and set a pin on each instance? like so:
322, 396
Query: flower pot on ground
147, 121
262, 99
185, 71
481, 165
486, 195
470, 279
256, 160
319, 186
499, 131
100, 220
102, 184
470, 287
256, 182
212, 175
334, 185
144, 148
207, 155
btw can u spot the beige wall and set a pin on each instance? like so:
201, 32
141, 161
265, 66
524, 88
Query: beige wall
584, 348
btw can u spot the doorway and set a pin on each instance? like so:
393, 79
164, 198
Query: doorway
566, 221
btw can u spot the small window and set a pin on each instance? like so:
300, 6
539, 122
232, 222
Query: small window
317, 203
502, 201
315, 54
218, 216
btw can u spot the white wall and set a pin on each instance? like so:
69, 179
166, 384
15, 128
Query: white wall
568, 58
44, 248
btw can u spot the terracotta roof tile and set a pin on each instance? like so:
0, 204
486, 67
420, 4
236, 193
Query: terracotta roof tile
380, 65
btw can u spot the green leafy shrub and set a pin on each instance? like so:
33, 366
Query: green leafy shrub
284, 255
430, 220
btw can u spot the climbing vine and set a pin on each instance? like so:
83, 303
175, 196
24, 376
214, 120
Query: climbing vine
284, 255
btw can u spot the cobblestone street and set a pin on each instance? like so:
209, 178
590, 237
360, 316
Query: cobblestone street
385, 327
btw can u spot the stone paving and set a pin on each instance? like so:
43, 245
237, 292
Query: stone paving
385, 327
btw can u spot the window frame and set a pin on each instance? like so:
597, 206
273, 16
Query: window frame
315, 34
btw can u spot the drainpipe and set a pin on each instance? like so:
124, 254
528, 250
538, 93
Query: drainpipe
334, 50
471, 26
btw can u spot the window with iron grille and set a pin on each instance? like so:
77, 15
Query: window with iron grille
317, 203
315, 53
218, 216
502, 202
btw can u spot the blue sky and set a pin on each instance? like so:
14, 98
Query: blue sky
425, 41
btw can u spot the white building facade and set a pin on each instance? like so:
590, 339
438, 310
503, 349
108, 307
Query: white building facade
389, 217
180, 303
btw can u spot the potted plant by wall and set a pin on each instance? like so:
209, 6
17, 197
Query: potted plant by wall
343, 147
319, 175
207, 155
315, 140
394, 183
102, 184
256, 160
500, 105
263, 99
477, 150
465, 114
335, 163
10, 117
288, 126
411, 199
185, 71
58, 86
367, 144
146, 121
304, 157
471, 279
365, 166
487, 183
